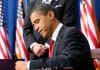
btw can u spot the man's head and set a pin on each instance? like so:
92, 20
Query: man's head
43, 18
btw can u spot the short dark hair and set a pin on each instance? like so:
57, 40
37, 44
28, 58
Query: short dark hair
42, 8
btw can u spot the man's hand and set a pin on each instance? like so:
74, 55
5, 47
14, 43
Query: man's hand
39, 49
96, 53
21, 65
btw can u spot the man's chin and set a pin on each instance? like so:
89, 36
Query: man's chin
45, 37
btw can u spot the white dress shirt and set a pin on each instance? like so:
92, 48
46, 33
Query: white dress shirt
56, 32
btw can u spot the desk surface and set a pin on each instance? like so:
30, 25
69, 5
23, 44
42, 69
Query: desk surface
8, 64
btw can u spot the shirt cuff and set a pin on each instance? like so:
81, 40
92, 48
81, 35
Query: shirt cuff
28, 65
32, 45
47, 45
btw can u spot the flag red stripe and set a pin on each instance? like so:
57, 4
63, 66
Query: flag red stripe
19, 51
83, 20
94, 41
22, 43
27, 53
4, 44
19, 37
3, 53
4, 41
93, 17
90, 16
7, 40
20, 22
90, 10
4, 38
84, 26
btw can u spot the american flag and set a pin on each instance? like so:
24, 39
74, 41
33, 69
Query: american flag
20, 49
5, 52
88, 23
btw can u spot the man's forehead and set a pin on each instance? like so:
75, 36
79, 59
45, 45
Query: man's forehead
35, 15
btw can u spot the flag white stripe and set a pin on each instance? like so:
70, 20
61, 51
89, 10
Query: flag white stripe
19, 33
22, 52
89, 22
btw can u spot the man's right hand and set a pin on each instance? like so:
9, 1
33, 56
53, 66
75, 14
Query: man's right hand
39, 49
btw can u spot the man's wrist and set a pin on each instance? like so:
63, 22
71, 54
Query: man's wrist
32, 45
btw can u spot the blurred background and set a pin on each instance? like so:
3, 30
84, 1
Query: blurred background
12, 14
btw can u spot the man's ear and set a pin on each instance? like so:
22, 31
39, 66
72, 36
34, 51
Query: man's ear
51, 15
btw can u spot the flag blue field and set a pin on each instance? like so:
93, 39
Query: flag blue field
97, 10
4, 42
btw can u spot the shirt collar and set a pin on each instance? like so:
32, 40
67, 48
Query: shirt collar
56, 32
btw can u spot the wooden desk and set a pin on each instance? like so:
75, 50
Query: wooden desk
8, 64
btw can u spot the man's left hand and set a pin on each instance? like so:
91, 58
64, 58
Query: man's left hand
21, 65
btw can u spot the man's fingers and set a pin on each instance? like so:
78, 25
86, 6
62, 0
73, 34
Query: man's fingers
21, 65
42, 51
39, 49
17, 66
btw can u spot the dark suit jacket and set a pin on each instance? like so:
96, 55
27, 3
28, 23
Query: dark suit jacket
71, 49
65, 11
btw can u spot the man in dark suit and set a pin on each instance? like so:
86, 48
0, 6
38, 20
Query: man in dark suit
66, 12
69, 47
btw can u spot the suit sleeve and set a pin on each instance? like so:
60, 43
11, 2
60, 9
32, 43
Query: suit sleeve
75, 50
28, 32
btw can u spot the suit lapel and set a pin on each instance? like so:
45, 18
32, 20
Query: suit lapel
60, 35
